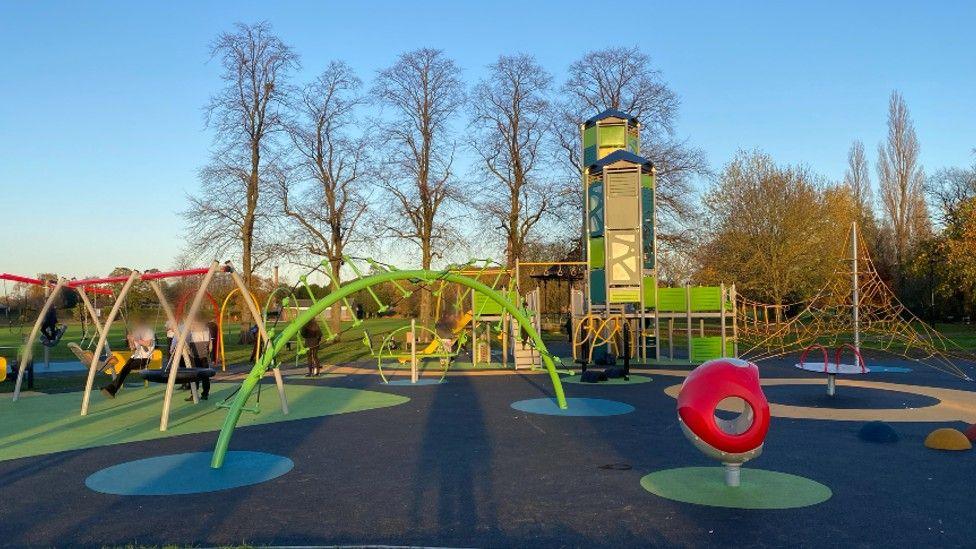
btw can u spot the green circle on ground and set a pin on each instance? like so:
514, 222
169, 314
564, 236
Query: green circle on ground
759, 489
634, 380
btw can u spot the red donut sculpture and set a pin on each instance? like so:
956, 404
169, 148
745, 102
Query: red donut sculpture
731, 441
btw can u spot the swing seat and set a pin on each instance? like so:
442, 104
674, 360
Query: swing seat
183, 375
86, 358
62, 328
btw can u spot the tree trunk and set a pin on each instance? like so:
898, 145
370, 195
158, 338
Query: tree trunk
426, 260
247, 238
336, 308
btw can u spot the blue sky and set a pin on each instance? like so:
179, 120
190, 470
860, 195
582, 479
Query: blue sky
102, 133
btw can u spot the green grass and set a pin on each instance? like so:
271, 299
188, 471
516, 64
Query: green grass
349, 348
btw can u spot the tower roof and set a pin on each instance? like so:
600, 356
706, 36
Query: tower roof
610, 113
622, 155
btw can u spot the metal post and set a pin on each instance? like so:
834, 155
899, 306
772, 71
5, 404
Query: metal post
29, 345
735, 322
732, 471
181, 338
102, 338
688, 317
170, 316
252, 307
413, 350
855, 295
722, 309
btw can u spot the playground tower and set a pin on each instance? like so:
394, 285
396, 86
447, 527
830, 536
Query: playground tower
618, 186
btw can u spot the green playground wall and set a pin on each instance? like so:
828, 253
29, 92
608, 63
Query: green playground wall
707, 348
483, 305
704, 299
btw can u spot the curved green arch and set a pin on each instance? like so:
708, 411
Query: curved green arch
262, 365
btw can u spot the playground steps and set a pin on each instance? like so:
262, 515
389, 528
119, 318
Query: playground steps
526, 356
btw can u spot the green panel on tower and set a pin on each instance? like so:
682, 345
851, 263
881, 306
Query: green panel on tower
671, 299
706, 299
589, 137
598, 256
647, 227
598, 286
650, 293
595, 209
633, 144
589, 146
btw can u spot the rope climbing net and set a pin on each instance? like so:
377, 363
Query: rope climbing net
855, 306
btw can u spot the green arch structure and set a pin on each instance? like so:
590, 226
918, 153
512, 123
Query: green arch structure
265, 361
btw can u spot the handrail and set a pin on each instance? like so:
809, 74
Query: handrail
806, 351
857, 354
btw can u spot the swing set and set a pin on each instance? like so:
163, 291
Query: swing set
24, 354
173, 373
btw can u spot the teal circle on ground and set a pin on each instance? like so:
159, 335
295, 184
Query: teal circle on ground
421, 381
190, 473
634, 380
578, 407
759, 489
888, 369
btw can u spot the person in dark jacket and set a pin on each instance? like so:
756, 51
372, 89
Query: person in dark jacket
312, 334
49, 326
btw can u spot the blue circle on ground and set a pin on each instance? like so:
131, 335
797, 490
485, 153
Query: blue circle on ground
190, 473
578, 407
421, 381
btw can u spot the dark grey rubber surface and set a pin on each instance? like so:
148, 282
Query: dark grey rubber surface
457, 466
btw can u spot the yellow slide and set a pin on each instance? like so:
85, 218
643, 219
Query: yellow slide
461, 324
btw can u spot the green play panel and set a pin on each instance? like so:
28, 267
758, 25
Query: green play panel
634, 380
50, 423
759, 489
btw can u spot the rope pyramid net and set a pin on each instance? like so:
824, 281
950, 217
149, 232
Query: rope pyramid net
883, 322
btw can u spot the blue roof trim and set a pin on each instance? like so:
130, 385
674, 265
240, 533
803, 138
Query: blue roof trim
609, 113
621, 155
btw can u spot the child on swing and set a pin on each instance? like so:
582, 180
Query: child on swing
142, 343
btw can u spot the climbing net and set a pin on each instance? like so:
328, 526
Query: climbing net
883, 322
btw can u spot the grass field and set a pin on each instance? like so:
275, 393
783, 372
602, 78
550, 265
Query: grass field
349, 348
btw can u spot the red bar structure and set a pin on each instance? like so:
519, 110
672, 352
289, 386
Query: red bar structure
22, 279
176, 274
87, 282
37, 282
144, 277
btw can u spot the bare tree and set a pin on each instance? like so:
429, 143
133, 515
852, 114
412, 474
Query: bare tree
422, 93
901, 180
624, 79
510, 123
229, 213
322, 196
858, 179
763, 221
952, 188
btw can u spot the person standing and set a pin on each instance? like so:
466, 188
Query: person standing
312, 334
200, 340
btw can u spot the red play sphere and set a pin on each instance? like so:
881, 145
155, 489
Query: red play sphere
708, 385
